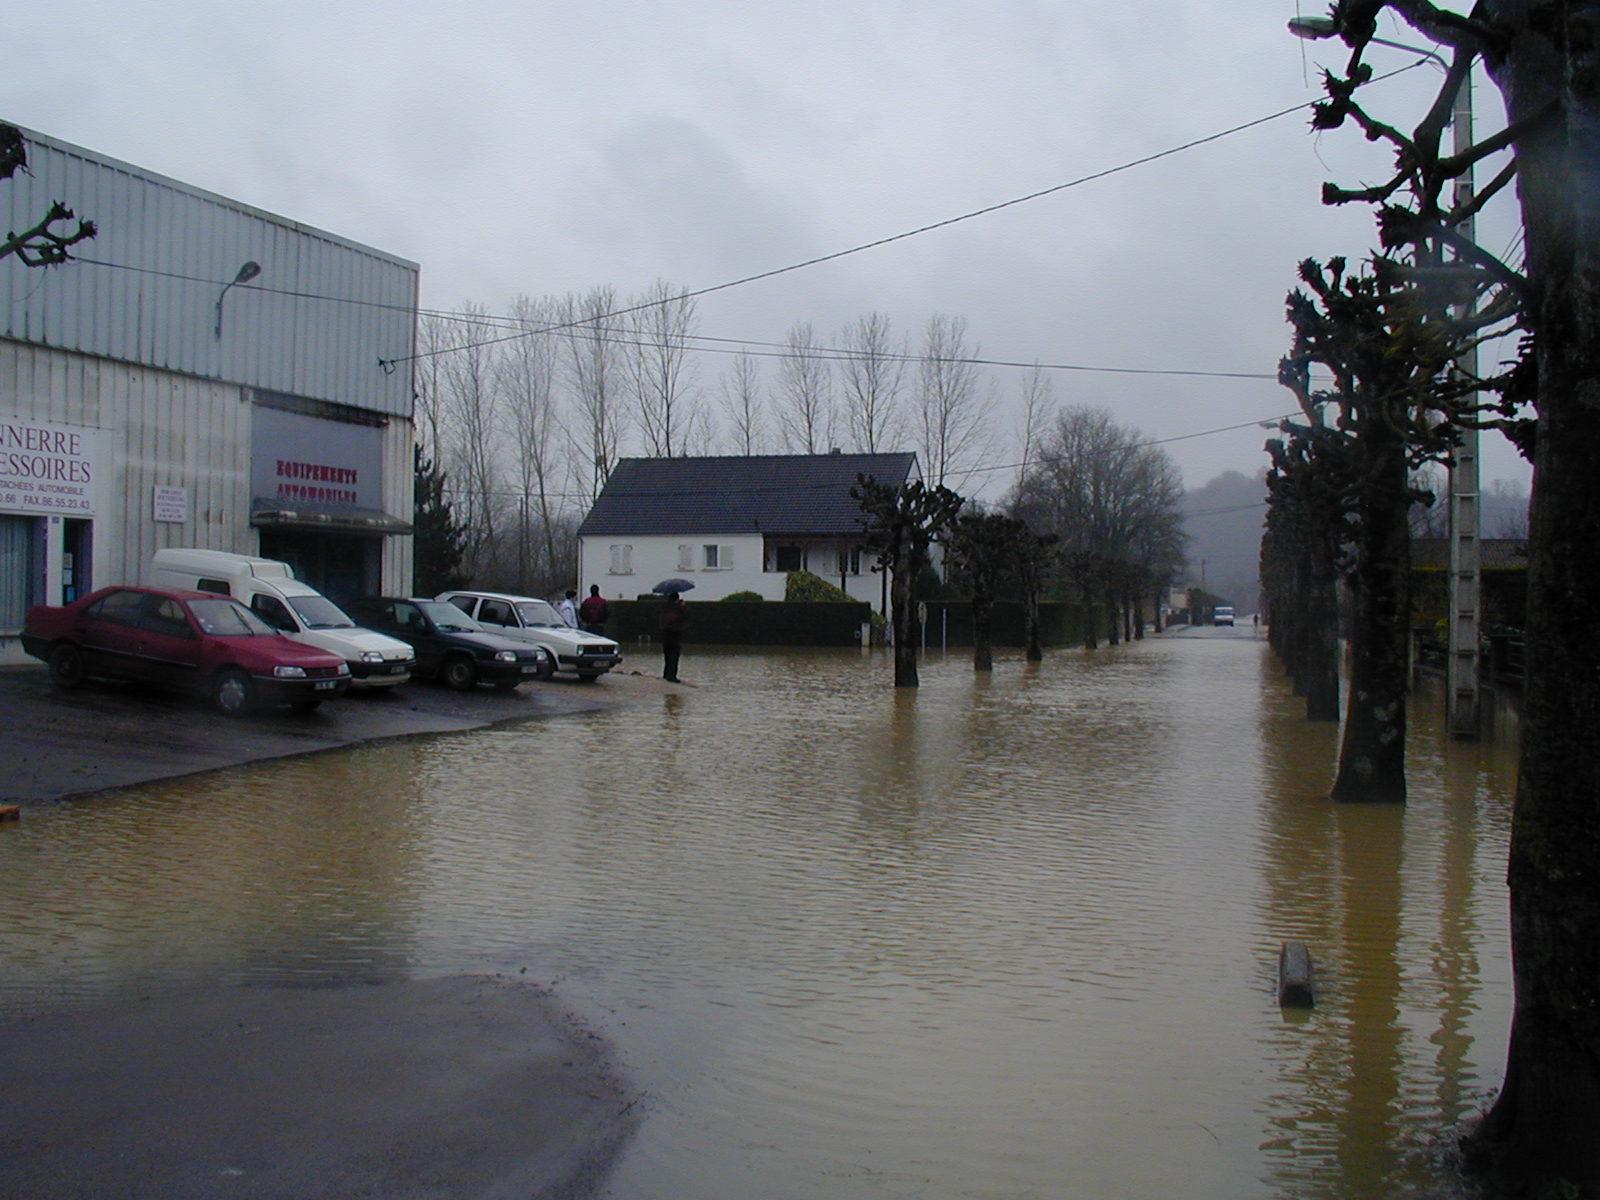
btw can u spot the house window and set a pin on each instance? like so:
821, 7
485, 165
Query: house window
622, 560
788, 558
717, 558
709, 553
850, 560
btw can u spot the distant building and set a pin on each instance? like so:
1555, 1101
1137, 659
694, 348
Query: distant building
150, 396
735, 524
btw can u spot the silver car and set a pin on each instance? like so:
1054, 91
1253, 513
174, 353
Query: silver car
528, 619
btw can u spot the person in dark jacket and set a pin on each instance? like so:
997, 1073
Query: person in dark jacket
594, 611
672, 620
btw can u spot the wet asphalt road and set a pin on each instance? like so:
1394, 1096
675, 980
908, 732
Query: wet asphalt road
56, 744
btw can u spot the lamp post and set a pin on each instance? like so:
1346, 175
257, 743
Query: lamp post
246, 273
1464, 616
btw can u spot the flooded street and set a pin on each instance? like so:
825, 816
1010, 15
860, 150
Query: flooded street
1005, 937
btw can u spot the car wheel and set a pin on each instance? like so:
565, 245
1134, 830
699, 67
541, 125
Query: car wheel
67, 667
547, 668
231, 694
460, 674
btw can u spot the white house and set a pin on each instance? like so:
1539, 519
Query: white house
734, 524
202, 374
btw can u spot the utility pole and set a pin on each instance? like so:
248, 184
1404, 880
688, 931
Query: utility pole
1463, 692
1463, 684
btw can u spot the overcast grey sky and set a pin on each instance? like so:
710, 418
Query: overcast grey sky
544, 148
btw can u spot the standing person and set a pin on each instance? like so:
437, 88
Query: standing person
594, 611
673, 618
568, 609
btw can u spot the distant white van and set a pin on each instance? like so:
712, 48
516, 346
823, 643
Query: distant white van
293, 608
1222, 615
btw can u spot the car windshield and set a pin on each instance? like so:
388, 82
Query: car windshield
318, 612
538, 612
229, 618
447, 618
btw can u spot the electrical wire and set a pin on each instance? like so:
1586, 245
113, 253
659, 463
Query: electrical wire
725, 345
390, 364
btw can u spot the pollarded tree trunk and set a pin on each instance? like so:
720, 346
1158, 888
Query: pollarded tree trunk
1320, 668
1372, 759
1136, 607
1545, 1126
982, 649
1113, 630
902, 603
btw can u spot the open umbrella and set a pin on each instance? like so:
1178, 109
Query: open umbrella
668, 587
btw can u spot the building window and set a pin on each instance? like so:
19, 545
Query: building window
709, 554
850, 560
622, 560
788, 558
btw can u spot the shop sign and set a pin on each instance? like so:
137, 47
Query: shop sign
170, 504
300, 461
48, 468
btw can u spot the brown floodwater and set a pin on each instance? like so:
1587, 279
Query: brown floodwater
998, 937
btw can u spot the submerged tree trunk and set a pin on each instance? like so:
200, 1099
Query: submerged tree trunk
902, 603
1113, 630
1136, 606
982, 651
1320, 667
1372, 759
1544, 1125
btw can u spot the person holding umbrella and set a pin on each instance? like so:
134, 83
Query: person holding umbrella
671, 622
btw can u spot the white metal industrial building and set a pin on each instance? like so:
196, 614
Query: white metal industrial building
203, 374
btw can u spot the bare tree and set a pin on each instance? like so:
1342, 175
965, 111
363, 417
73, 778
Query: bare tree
1539, 1133
39, 245
1038, 406
901, 524
952, 415
805, 393
529, 371
871, 377
595, 372
1112, 505
664, 323
435, 336
470, 399
742, 404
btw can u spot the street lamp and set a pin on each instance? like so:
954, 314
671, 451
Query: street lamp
1466, 613
246, 273
1315, 29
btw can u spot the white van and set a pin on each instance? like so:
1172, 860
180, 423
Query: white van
268, 587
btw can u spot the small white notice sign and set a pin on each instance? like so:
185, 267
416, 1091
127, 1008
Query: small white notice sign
171, 504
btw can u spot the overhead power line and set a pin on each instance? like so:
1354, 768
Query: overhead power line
391, 363
726, 345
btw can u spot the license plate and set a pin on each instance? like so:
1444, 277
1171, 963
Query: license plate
397, 668
530, 668
325, 685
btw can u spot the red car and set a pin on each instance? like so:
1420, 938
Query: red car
189, 640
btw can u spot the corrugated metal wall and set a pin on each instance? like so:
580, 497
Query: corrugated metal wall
173, 248
166, 429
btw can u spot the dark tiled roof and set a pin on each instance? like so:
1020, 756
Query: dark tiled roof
768, 493
1495, 554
